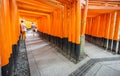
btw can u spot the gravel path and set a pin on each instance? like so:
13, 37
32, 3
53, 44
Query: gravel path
22, 65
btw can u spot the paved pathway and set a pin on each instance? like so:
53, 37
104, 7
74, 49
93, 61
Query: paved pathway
44, 60
106, 68
102, 63
94, 51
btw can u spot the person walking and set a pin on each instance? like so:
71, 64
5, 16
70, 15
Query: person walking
33, 27
23, 30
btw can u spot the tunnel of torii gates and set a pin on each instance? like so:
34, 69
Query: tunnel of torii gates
64, 23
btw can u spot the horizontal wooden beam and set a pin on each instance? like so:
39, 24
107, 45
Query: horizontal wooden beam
53, 3
103, 7
106, 0
32, 16
35, 3
36, 9
40, 7
37, 14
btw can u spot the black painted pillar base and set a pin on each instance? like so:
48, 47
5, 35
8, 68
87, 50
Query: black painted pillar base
65, 45
8, 69
69, 48
73, 50
77, 52
5, 70
119, 48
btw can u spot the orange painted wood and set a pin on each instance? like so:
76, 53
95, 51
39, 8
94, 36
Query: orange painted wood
107, 28
84, 18
112, 25
5, 33
78, 22
117, 28
70, 25
73, 23
65, 22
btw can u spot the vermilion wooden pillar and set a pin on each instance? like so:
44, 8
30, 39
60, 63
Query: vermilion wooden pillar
113, 24
78, 29
83, 25
9, 34
108, 30
72, 54
5, 33
117, 32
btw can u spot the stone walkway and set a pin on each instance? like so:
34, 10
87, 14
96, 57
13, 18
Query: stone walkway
102, 63
94, 51
97, 67
106, 68
44, 60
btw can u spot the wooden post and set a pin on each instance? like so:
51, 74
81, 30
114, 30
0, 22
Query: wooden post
114, 24
83, 25
117, 32
108, 32
78, 29
73, 30
65, 29
69, 28
6, 33
83, 22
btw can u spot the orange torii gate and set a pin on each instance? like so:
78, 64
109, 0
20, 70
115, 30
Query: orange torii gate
65, 23
105, 30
